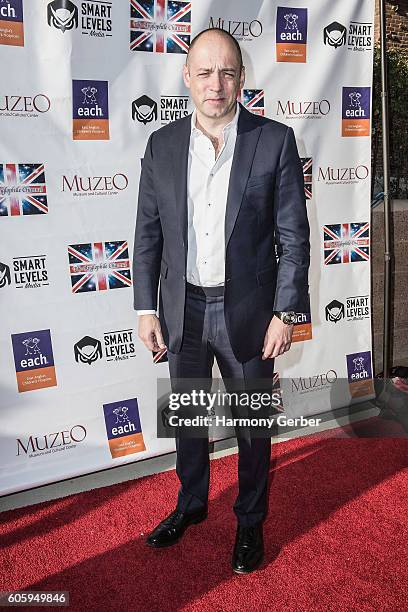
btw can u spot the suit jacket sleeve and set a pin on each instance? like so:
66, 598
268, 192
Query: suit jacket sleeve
148, 242
291, 231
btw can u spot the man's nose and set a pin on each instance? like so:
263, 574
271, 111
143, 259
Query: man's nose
216, 81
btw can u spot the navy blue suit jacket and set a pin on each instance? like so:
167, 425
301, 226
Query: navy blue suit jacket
266, 231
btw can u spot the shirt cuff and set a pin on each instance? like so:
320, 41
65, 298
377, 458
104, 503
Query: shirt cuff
142, 312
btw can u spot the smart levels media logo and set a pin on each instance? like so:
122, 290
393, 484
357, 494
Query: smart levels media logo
90, 110
11, 23
123, 428
145, 109
291, 34
98, 266
118, 345
160, 26
22, 190
96, 17
356, 111
28, 272
34, 360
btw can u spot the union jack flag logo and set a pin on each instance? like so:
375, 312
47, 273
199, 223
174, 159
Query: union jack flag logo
346, 243
254, 100
307, 164
22, 190
160, 26
99, 266
160, 356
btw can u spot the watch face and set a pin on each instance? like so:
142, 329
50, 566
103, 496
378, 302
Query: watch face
289, 318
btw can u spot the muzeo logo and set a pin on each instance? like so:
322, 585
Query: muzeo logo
34, 360
96, 17
45, 444
145, 109
87, 186
90, 110
360, 374
349, 175
305, 109
28, 272
291, 34
311, 384
356, 102
24, 106
123, 428
118, 345
355, 308
11, 23
358, 36
241, 30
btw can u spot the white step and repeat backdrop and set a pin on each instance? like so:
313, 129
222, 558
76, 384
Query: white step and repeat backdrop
83, 85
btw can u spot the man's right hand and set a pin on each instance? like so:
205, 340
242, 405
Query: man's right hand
150, 332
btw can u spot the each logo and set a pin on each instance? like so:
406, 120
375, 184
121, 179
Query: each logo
11, 23
44, 444
356, 103
23, 190
311, 384
358, 36
302, 329
88, 350
145, 109
98, 266
160, 26
88, 186
307, 164
303, 109
241, 30
62, 14
360, 374
123, 428
24, 106
34, 360
118, 345
291, 34
334, 35
253, 100
90, 110
351, 175
355, 308
346, 243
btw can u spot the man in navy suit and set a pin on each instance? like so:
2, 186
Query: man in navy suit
222, 223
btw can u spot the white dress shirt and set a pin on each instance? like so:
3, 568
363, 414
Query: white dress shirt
207, 188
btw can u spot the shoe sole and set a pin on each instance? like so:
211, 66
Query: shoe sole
243, 572
168, 544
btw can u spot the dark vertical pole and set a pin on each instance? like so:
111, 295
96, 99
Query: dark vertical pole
387, 210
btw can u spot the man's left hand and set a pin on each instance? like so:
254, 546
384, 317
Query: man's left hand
278, 339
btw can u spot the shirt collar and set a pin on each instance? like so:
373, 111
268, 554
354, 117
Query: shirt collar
231, 125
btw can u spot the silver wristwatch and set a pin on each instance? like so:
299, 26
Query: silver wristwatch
289, 318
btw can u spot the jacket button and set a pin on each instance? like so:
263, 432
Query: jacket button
228, 280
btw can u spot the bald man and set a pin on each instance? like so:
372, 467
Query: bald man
222, 224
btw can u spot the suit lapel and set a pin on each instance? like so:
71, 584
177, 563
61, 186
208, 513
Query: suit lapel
247, 140
180, 167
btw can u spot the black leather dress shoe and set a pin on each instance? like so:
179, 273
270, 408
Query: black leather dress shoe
170, 530
248, 550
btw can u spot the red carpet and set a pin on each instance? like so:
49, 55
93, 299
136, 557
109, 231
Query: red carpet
336, 537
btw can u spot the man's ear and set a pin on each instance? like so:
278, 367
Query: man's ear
186, 76
242, 78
